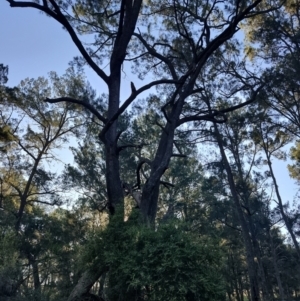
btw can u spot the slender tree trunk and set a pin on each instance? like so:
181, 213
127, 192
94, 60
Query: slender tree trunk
280, 204
245, 229
163, 155
237, 291
36, 277
244, 197
241, 288
256, 249
24, 194
229, 296
276, 269
36, 281
235, 278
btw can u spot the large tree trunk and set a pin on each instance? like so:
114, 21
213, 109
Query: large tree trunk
129, 12
160, 163
113, 180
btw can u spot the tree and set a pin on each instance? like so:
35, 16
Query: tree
271, 139
3, 74
23, 167
5, 132
198, 36
116, 25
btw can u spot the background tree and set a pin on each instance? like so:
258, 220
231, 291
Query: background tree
24, 166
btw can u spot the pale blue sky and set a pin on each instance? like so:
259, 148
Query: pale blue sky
33, 44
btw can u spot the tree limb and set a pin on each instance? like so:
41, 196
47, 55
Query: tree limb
130, 99
87, 105
58, 16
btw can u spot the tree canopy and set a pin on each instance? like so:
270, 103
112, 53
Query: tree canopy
172, 193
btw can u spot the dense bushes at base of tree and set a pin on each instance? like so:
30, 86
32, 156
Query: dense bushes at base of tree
170, 263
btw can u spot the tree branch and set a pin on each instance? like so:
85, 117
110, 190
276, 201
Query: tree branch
59, 17
87, 105
166, 184
208, 117
179, 155
252, 99
130, 99
138, 177
159, 56
211, 117
122, 147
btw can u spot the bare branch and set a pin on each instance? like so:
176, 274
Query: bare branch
208, 117
243, 104
159, 56
212, 116
130, 99
122, 147
58, 16
85, 104
179, 155
166, 184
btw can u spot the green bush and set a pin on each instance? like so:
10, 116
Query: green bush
170, 263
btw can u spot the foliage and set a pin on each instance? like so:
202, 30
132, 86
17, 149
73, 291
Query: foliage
171, 197
169, 263
294, 169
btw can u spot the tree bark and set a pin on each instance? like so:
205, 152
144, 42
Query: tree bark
113, 180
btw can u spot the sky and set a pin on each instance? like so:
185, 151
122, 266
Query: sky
32, 45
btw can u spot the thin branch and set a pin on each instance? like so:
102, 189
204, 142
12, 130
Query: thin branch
159, 56
252, 99
179, 155
208, 117
26, 150
211, 117
43, 202
166, 184
122, 147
